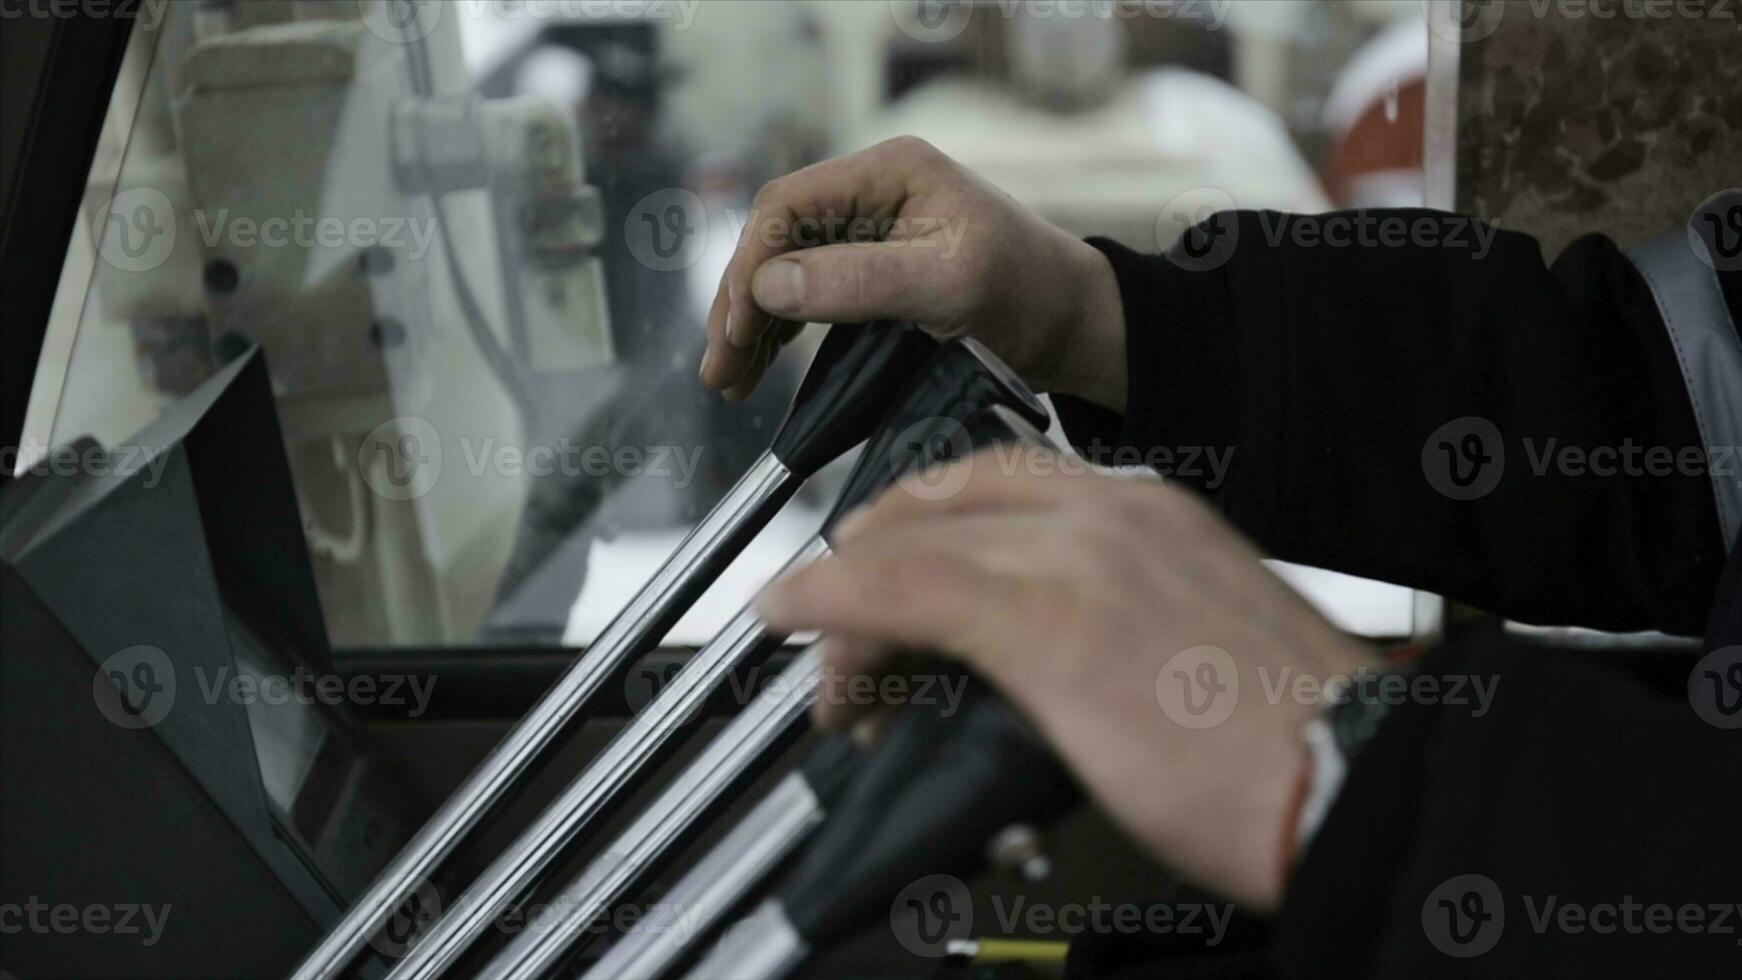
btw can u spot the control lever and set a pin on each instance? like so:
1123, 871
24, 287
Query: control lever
922, 432
961, 380
837, 406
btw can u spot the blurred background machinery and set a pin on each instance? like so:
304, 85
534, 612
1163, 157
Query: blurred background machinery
477, 242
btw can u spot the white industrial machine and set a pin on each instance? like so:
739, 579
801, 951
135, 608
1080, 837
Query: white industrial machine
416, 262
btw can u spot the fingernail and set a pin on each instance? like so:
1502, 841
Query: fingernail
707, 358
745, 342
779, 287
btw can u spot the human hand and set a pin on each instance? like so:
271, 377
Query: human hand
902, 232
1081, 597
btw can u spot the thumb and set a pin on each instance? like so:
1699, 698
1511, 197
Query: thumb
859, 283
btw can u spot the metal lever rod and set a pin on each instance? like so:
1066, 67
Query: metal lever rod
650, 615
740, 751
699, 902
764, 945
625, 762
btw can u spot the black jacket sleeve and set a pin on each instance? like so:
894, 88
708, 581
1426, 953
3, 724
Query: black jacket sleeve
1582, 824
1343, 380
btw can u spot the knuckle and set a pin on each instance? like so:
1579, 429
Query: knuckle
1108, 527
772, 192
886, 580
911, 147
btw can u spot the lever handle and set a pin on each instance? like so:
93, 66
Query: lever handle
847, 389
928, 797
943, 415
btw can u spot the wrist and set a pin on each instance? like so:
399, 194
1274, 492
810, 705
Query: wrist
1091, 349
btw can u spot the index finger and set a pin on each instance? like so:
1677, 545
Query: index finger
807, 208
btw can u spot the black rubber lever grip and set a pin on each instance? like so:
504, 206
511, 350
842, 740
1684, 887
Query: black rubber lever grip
845, 393
936, 418
938, 786
927, 799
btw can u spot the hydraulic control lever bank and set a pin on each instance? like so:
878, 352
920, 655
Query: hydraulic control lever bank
922, 431
960, 381
837, 406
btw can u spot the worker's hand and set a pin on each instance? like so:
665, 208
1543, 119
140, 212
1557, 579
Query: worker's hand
1090, 601
902, 232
